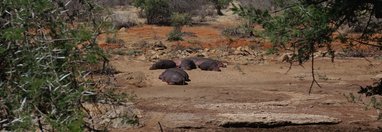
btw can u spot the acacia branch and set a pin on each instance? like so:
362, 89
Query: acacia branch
313, 75
296, 4
367, 24
160, 126
365, 43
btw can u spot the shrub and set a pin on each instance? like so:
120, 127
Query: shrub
112, 3
304, 26
43, 76
167, 7
239, 31
187, 6
175, 35
156, 11
259, 4
178, 21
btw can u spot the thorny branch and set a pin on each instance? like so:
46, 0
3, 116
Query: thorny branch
313, 75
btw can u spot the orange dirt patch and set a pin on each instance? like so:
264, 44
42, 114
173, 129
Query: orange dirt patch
202, 36
215, 43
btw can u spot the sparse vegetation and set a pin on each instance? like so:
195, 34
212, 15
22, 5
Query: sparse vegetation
242, 31
156, 11
162, 11
178, 21
112, 3
113, 40
175, 35
304, 26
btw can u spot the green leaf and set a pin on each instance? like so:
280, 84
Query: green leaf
76, 126
12, 34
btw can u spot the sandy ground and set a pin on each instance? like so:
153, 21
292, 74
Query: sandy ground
252, 89
245, 90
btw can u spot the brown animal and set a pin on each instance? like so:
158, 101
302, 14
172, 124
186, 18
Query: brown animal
181, 71
173, 77
187, 64
177, 62
200, 60
210, 65
163, 64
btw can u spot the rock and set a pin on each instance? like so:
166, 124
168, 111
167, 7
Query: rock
142, 57
155, 57
158, 46
320, 54
137, 79
113, 116
200, 55
379, 76
151, 52
244, 51
181, 53
286, 57
340, 54
267, 120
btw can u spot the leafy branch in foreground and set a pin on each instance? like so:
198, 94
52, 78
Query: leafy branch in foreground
43, 73
304, 26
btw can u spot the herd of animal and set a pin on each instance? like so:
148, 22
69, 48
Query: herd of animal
175, 73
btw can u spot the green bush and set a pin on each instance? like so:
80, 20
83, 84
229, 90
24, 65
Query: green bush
175, 35
156, 11
42, 71
160, 11
304, 26
178, 20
